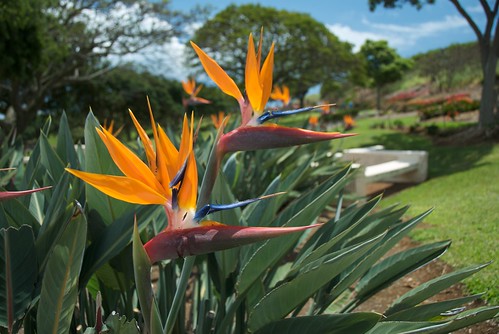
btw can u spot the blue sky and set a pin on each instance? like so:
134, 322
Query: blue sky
407, 30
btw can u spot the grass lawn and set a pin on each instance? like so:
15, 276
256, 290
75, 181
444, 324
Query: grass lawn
463, 189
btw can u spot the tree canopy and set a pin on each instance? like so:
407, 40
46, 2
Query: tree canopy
306, 53
383, 64
48, 44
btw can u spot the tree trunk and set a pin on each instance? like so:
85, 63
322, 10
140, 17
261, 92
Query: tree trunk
302, 101
489, 94
378, 98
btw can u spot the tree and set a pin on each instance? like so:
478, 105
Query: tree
126, 87
488, 41
306, 53
46, 44
383, 65
442, 65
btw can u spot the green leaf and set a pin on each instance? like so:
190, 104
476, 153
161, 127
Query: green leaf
357, 323
469, 318
142, 272
34, 170
396, 266
97, 160
37, 206
65, 145
262, 212
50, 159
210, 173
18, 271
431, 288
284, 298
227, 259
406, 327
114, 238
328, 236
57, 216
392, 237
300, 212
430, 311
119, 325
60, 279
14, 213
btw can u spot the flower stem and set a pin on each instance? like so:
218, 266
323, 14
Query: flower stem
180, 293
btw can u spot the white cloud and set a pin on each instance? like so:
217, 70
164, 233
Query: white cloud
357, 38
167, 59
398, 36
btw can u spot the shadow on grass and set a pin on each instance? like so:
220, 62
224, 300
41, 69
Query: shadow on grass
443, 160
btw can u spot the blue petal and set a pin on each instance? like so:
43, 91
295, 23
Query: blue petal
268, 115
179, 176
210, 208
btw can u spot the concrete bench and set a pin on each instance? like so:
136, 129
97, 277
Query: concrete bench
375, 164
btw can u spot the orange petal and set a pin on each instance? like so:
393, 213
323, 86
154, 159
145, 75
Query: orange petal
286, 95
188, 192
128, 162
121, 187
185, 142
217, 74
146, 142
266, 77
259, 53
252, 77
169, 151
196, 91
189, 86
153, 123
276, 93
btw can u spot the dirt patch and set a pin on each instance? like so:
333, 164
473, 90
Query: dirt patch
382, 300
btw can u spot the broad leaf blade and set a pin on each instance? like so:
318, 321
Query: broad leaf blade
65, 145
394, 267
119, 325
430, 311
357, 323
283, 299
97, 160
430, 288
142, 273
300, 212
469, 318
60, 280
50, 159
114, 238
18, 270
226, 259
406, 327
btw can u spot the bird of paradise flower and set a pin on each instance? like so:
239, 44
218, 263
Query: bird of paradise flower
217, 119
192, 90
281, 94
170, 179
251, 135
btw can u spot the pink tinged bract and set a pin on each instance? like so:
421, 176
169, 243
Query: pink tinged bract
249, 138
5, 195
211, 238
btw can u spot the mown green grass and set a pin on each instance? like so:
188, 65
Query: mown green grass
462, 188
